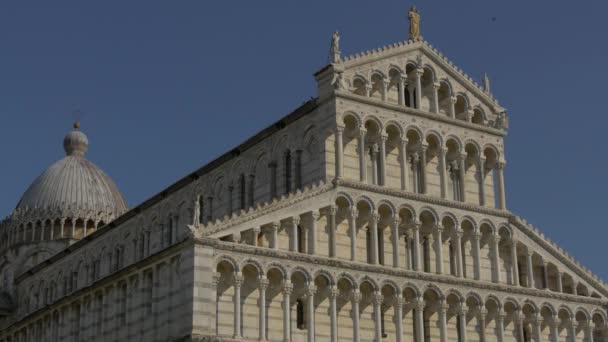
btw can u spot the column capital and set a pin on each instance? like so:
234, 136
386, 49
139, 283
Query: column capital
263, 283
378, 298
374, 218
436, 85
332, 210
315, 215
288, 288
339, 128
399, 300
383, 137
453, 99
459, 234
353, 213
257, 230
419, 72
396, 222
356, 296
403, 79
311, 289
295, 220
362, 132
476, 236
483, 313
419, 303
439, 227
238, 279
236, 237
529, 251
334, 292
276, 226
500, 165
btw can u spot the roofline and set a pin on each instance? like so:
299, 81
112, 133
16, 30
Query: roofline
296, 114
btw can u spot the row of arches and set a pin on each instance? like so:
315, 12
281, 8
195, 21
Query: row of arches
419, 88
397, 236
47, 230
297, 304
387, 154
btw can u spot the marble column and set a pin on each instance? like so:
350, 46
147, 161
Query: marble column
382, 178
263, 285
287, 290
332, 231
453, 101
395, 239
333, 313
293, 246
482, 176
546, 275
436, 87
356, 298
312, 243
496, 257
352, 226
238, 281
458, 245
402, 84
418, 74
589, 332
339, 151
443, 311
373, 231
416, 246
439, 248
423, 168
399, 302
476, 252
385, 84
362, 158
481, 321
461, 173
374, 158
462, 314
520, 324
502, 203
560, 286
514, 263
404, 164
419, 312
538, 321
443, 173
530, 269
275, 234
378, 299
500, 326
554, 324
256, 232
310, 305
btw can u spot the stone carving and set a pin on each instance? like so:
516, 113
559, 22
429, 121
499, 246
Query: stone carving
486, 83
335, 48
414, 16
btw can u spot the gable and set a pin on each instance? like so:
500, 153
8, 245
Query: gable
381, 72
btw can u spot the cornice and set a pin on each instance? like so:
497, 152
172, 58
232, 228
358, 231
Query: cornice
416, 112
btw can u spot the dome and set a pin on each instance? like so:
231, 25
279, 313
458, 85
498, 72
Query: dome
74, 184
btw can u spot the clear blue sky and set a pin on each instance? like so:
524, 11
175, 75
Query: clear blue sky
165, 86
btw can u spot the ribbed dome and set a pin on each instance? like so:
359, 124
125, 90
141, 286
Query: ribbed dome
74, 183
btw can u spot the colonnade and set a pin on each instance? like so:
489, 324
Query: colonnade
301, 306
413, 154
424, 243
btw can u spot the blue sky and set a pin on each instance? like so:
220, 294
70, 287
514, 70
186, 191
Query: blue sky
163, 87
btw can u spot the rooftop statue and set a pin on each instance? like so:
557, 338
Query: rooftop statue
414, 16
335, 48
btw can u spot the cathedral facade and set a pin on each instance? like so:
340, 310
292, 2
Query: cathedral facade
374, 212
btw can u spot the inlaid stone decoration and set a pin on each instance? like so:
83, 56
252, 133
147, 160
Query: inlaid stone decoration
374, 212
